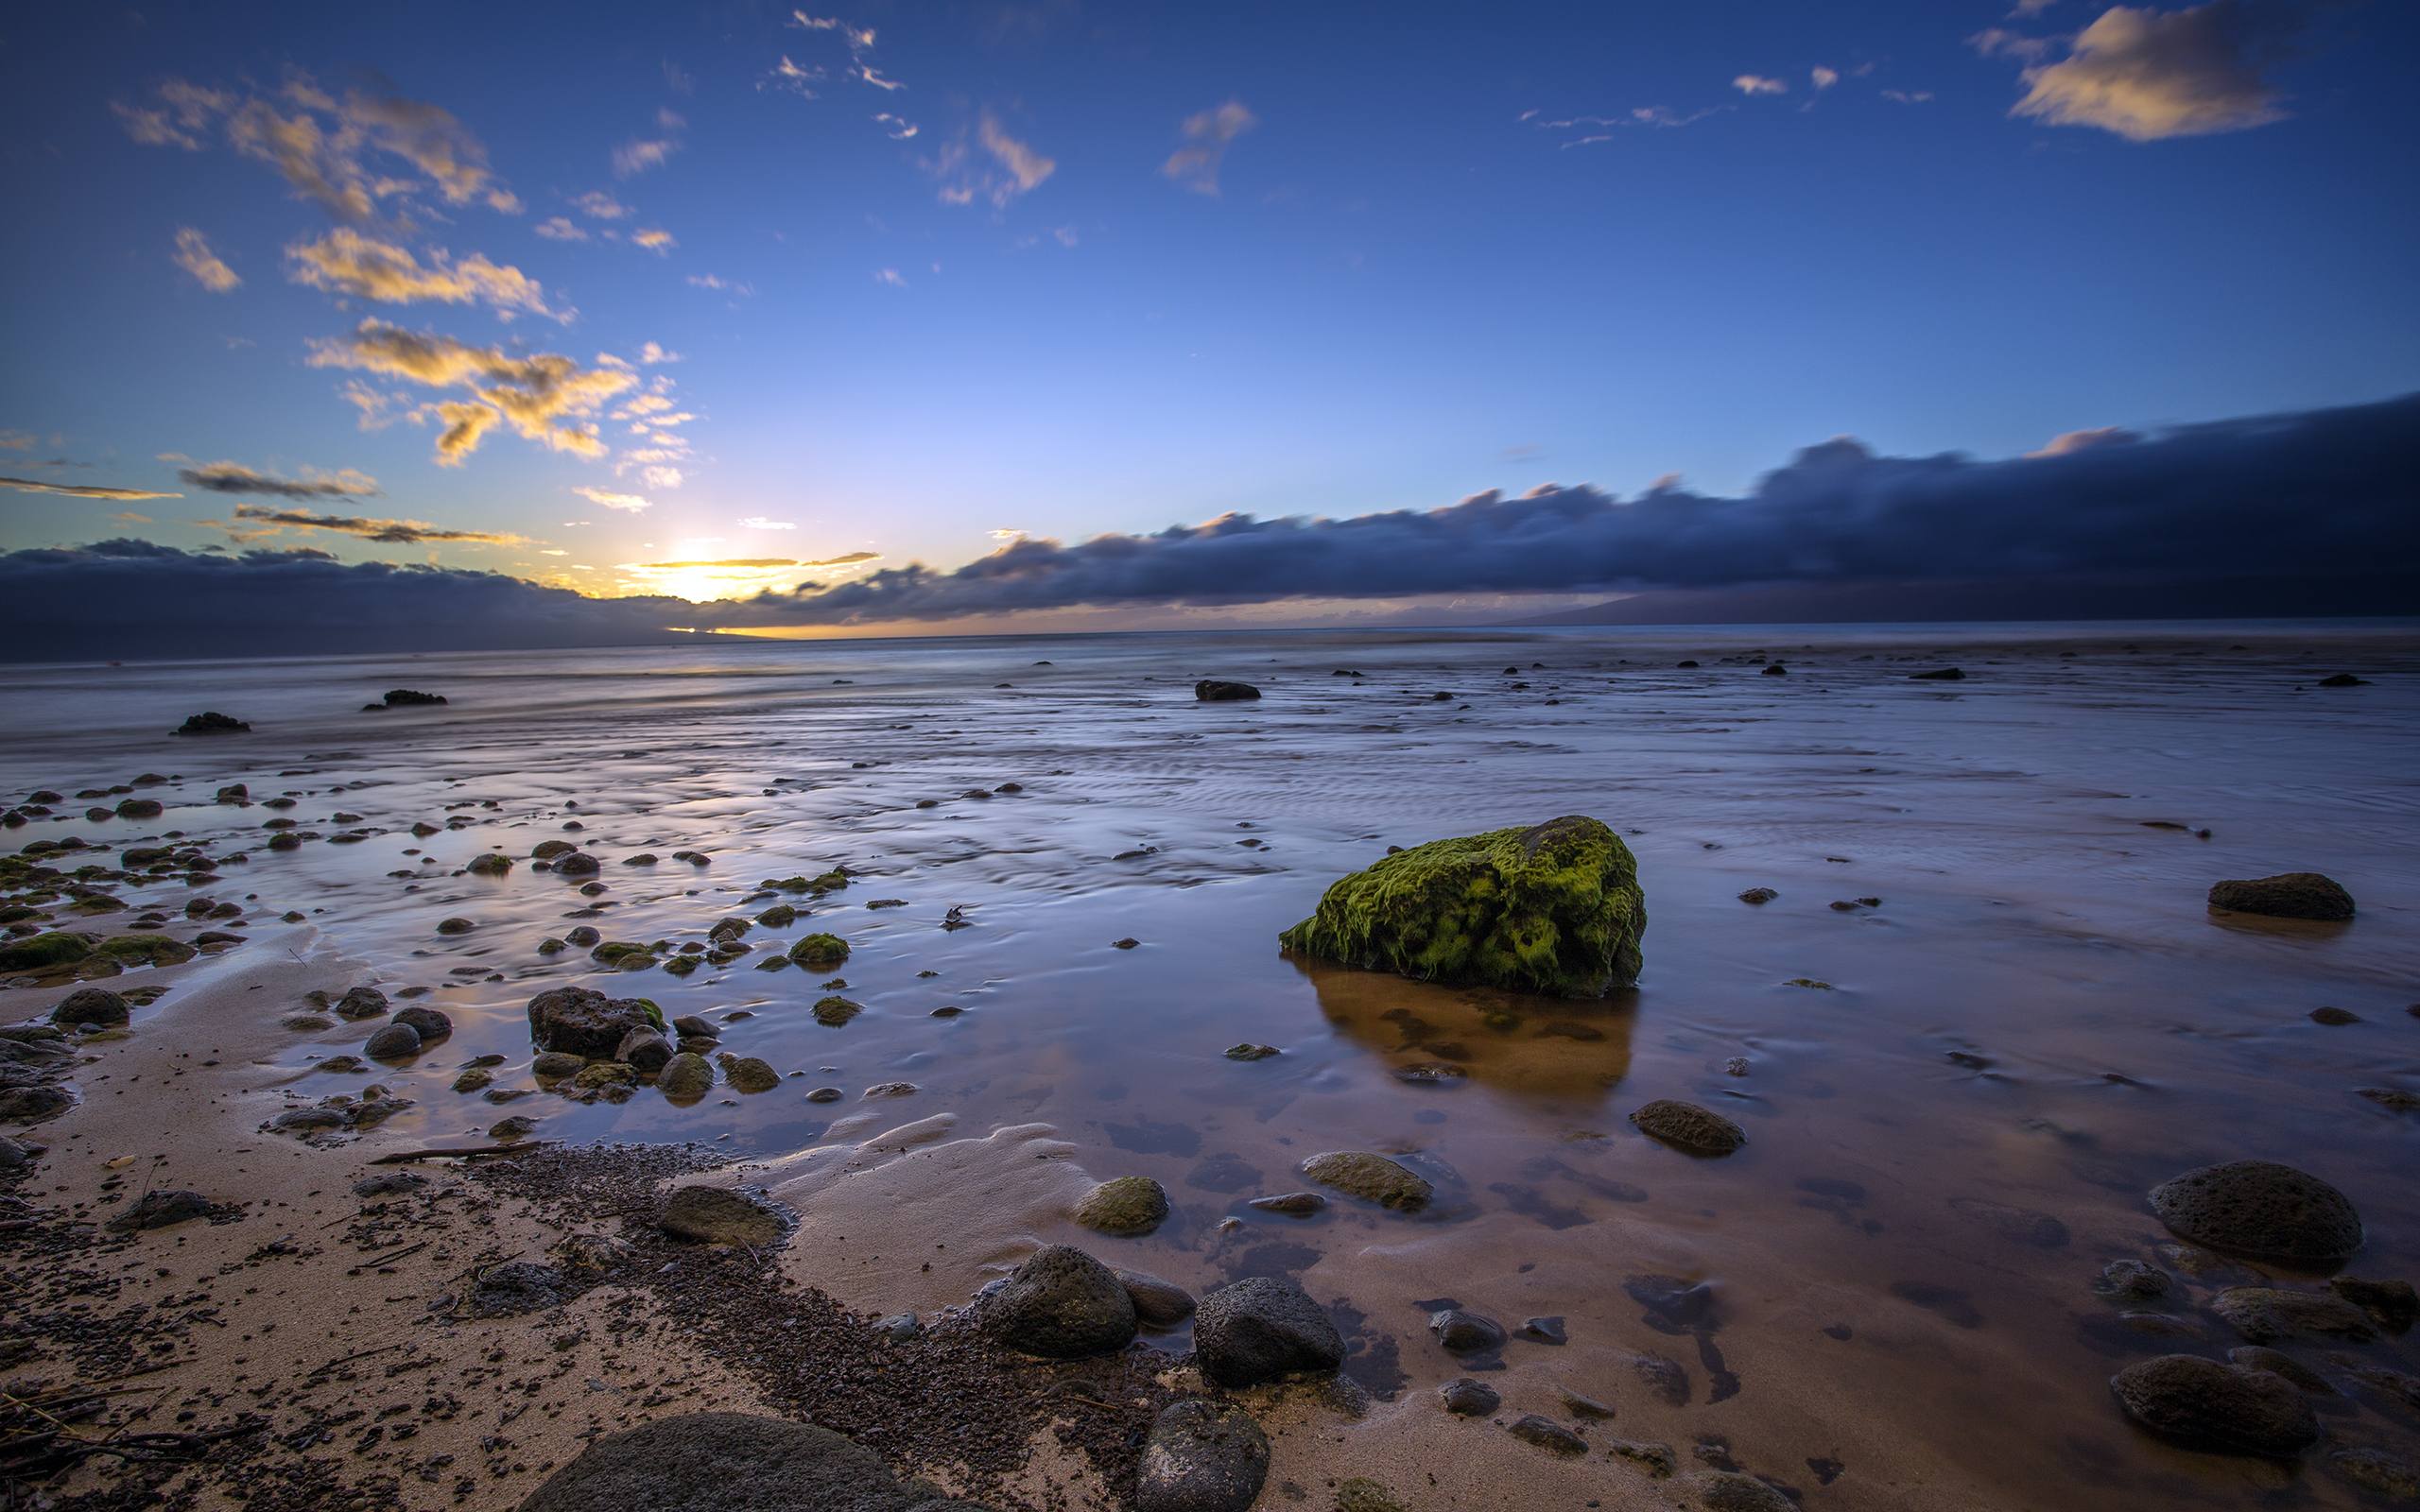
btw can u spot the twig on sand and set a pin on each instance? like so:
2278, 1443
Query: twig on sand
461, 1152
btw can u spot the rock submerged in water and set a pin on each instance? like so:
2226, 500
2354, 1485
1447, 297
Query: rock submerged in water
1371, 1177
1263, 1328
1061, 1304
1210, 690
2270, 1314
2261, 1210
1124, 1206
578, 1020
1688, 1127
2221, 1408
730, 1462
2287, 895
213, 723
1202, 1457
1553, 909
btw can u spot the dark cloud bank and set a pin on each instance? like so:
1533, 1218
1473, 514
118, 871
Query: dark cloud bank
2306, 513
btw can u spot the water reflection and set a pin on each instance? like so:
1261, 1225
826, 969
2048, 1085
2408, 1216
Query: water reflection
1428, 1034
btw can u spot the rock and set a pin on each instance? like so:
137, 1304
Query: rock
362, 1002
2394, 1305
1553, 909
2375, 1470
728, 1462
2288, 895
2265, 1314
32, 952
687, 1075
1688, 1127
1124, 1206
428, 1022
1728, 1491
2224, 1409
158, 1209
393, 1042
90, 1005
520, 1126
1061, 1304
1758, 896
1200, 1457
16, 1156
491, 865
1465, 1397
579, 1021
717, 1215
2255, 1357
577, 863
1249, 1051
746, 1074
211, 723
1547, 1435
556, 1064
2343, 679
2131, 1280
1656, 1460
1545, 1330
1358, 1493
2261, 1210
1580, 1407
820, 953
1777, 670
832, 1012
1210, 690
1263, 1328
643, 1050
1158, 1304
1371, 1177
1293, 1204
1666, 1376
407, 697
1465, 1332
390, 1184
31, 1105
1938, 674
515, 1287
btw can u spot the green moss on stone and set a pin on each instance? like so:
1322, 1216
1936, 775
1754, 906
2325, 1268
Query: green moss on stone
820, 951
1555, 909
56, 948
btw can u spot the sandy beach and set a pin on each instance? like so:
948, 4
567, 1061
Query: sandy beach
1985, 1009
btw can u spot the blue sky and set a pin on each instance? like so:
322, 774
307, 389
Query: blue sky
1387, 277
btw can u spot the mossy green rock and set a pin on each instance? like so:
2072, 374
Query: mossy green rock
37, 951
1553, 909
1124, 1206
821, 951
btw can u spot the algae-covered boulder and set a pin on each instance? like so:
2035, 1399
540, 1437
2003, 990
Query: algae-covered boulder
1553, 909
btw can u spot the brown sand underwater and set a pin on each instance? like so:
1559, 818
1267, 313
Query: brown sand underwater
1955, 1096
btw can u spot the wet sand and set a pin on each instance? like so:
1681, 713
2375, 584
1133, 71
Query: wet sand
2039, 1019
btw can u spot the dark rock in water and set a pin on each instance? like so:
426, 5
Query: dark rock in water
407, 698
2258, 1357
1938, 674
1249, 1051
1263, 1328
2221, 1408
1061, 1304
520, 1126
1729, 1491
515, 1287
716, 1215
2287, 895
746, 1074
1758, 896
32, 952
138, 808
577, 863
362, 1002
1199, 1457
2131, 1280
579, 1021
1293, 1204
1775, 669
1553, 909
1688, 1127
2265, 1314
728, 1462
1212, 690
1465, 1397
212, 724
92, 1005
2343, 679
2375, 1470
556, 1064
394, 1041
1547, 1435
687, 1075
1157, 1303
2261, 1210
158, 1209
1124, 1206
428, 1022
2334, 1017
1462, 1331
644, 1050
2394, 1305
1371, 1177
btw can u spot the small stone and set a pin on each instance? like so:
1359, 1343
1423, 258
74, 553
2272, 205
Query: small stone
746, 1074
159, 1210
1126, 1206
394, 1041
1465, 1397
1687, 1126
1293, 1204
2288, 895
2131, 1280
362, 1002
717, 1215
1462, 1332
2375, 1470
93, 1005
1251, 1051
1157, 1303
1657, 1460
1729, 1491
1371, 1177
1263, 1328
2266, 1315
1547, 1435
427, 1022
1544, 1330
685, 1076
2394, 1305
1202, 1457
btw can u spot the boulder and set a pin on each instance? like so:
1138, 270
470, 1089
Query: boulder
2288, 895
393, 1042
1124, 1206
2224, 1409
2261, 1210
93, 1005
1462, 1331
1158, 1304
1553, 909
2269, 1315
428, 1022
1729, 1491
1200, 1457
729, 1462
642, 1049
1465, 1397
1263, 1328
687, 1075
1688, 1127
717, 1215
362, 1002
579, 1021
1061, 1304
1210, 690
1371, 1177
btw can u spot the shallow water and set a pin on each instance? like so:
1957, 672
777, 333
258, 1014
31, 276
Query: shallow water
2039, 1022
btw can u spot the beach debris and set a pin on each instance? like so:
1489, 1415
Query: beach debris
1555, 908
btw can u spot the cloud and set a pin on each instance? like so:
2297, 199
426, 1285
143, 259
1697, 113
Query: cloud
347, 262
2293, 498
889, 276
637, 155
78, 492
752, 562
1904, 97
234, 477
848, 559
2074, 441
386, 532
630, 502
2148, 75
329, 150
1997, 41
757, 521
1824, 78
193, 255
1594, 129
598, 205
1753, 84
660, 476
897, 127
1207, 134
654, 239
545, 397
650, 354
560, 229
965, 178
2028, 10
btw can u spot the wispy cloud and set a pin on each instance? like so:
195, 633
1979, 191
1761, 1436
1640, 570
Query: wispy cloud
234, 477
2148, 75
1754, 84
889, 276
545, 397
654, 239
560, 229
386, 532
1908, 96
1589, 131
639, 154
1207, 135
347, 262
598, 205
1015, 169
1824, 78
628, 503
79, 491
757, 521
193, 255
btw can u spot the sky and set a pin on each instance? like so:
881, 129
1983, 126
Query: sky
974, 316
